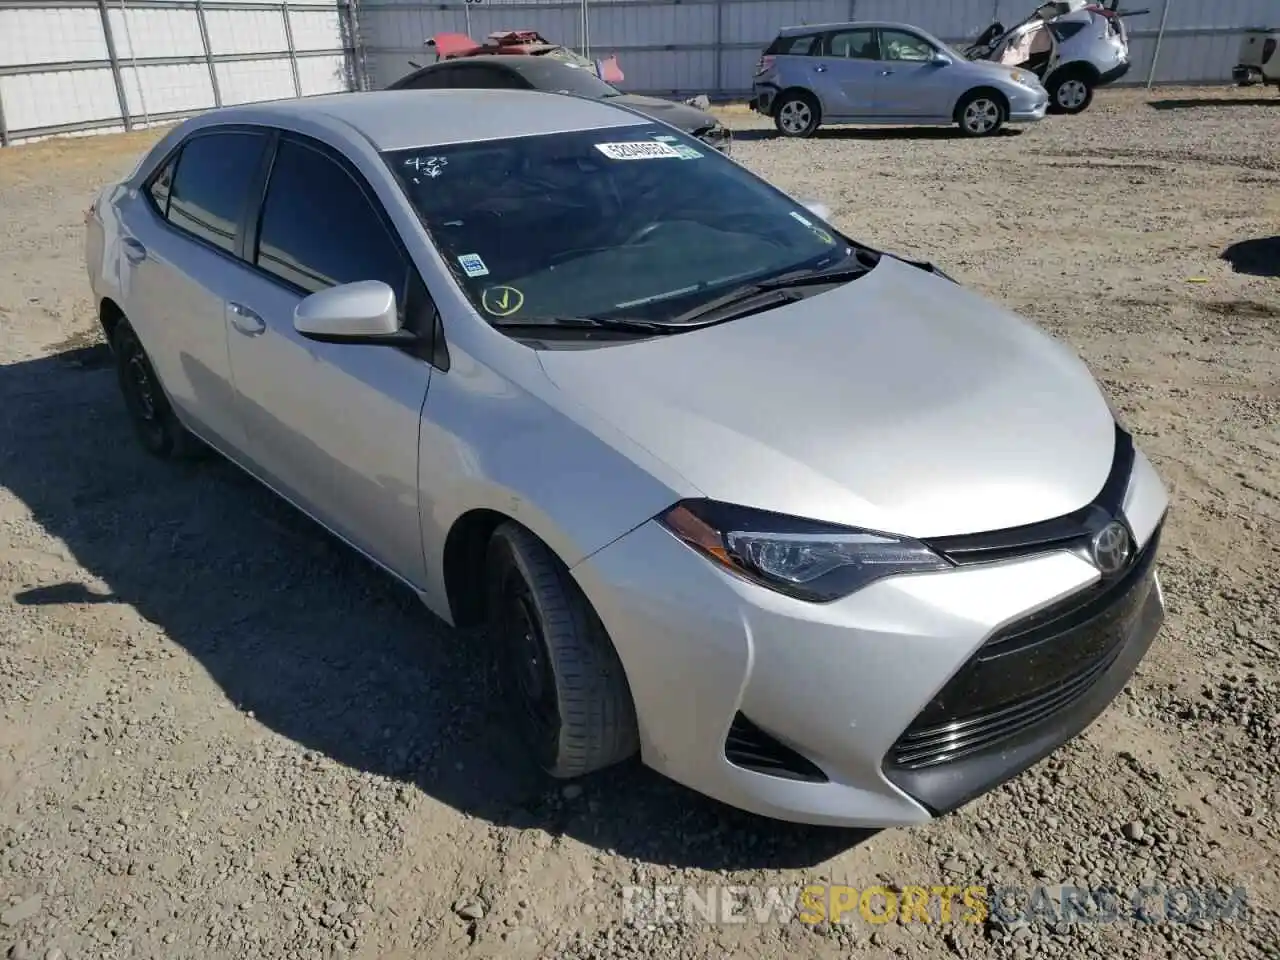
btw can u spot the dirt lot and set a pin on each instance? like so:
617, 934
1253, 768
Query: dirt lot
223, 735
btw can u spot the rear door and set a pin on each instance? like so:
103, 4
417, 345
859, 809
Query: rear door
180, 263
848, 70
908, 82
334, 427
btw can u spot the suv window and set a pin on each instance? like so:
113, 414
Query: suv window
805, 45
853, 44
320, 229
1065, 31
900, 45
211, 184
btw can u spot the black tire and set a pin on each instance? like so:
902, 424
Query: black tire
559, 670
797, 114
1070, 91
153, 419
981, 113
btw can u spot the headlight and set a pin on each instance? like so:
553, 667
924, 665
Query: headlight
802, 558
1020, 77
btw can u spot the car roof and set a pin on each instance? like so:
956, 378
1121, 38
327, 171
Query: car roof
535, 67
402, 119
807, 28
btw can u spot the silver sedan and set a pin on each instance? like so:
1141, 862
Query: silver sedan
811, 528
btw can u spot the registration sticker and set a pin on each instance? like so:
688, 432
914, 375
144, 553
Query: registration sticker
687, 153
472, 265
638, 150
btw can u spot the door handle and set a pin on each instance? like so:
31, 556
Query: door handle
885, 73
134, 251
820, 68
245, 320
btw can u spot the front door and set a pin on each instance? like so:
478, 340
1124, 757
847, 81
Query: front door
910, 82
334, 427
849, 62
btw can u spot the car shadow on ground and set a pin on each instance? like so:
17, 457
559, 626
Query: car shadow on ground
1259, 257
875, 133
1193, 102
325, 649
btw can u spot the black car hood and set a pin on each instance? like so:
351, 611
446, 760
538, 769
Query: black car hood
679, 115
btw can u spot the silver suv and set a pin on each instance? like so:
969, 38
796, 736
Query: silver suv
886, 73
1073, 46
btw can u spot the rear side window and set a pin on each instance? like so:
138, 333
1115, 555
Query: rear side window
161, 187
1065, 31
801, 46
319, 229
211, 184
430, 80
477, 76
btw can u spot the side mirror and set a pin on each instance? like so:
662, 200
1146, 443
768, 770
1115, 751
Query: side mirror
940, 59
817, 208
361, 312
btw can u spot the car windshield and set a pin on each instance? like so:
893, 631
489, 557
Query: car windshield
633, 222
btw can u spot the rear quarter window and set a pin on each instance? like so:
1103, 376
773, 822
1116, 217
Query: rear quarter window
801, 46
1065, 31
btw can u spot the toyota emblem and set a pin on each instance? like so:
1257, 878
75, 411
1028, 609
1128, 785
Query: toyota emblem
1111, 548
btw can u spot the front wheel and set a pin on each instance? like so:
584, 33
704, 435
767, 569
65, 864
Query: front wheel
797, 115
560, 675
1070, 93
980, 115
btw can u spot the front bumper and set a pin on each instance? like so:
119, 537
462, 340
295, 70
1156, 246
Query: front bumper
1029, 108
805, 712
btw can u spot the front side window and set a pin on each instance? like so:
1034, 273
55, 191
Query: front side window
853, 45
211, 184
581, 82
624, 222
900, 45
318, 228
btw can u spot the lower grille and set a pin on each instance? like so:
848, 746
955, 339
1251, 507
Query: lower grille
749, 747
1029, 671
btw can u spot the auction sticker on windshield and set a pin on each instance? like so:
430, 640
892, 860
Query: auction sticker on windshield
472, 265
638, 150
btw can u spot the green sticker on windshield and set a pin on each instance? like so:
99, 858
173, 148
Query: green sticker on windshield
682, 151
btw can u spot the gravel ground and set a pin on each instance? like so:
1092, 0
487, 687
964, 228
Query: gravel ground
224, 735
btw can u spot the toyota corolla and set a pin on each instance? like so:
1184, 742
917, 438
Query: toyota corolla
810, 528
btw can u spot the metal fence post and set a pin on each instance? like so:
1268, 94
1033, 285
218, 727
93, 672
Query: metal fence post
293, 51
720, 84
1155, 54
4, 128
353, 47
115, 65
208, 53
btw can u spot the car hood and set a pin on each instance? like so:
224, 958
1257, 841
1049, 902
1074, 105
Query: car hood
682, 116
898, 402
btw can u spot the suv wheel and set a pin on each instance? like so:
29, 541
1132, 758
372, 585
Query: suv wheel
796, 115
1070, 92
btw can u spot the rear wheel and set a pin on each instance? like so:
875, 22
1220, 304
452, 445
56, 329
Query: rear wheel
560, 674
797, 115
1070, 92
980, 114
154, 421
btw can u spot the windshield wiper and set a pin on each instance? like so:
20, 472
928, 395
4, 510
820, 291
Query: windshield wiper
620, 324
770, 293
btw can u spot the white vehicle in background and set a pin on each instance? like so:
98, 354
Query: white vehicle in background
1257, 62
1073, 46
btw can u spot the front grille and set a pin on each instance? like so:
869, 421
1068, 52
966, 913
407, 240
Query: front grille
749, 747
1029, 671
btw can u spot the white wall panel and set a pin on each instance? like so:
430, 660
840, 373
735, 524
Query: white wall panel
652, 25
319, 75
251, 80
167, 88
246, 31
316, 29
155, 33
50, 36
951, 19
51, 99
758, 23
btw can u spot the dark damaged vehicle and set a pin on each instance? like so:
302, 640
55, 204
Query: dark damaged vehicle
555, 75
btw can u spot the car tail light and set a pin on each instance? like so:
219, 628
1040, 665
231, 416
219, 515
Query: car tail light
1268, 49
766, 64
